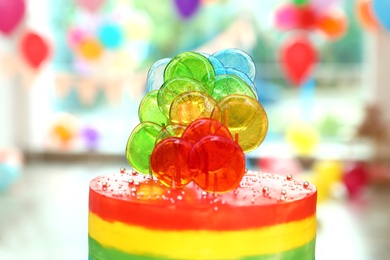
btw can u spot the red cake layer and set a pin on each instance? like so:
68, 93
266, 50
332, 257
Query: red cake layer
137, 199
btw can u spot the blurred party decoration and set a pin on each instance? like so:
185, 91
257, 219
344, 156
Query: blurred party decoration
90, 5
298, 57
110, 35
355, 178
333, 24
11, 163
63, 131
187, 8
382, 12
303, 137
327, 175
90, 136
34, 49
365, 14
11, 14
90, 49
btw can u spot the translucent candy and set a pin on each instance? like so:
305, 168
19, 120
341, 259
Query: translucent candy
225, 85
156, 74
218, 164
203, 127
190, 106
245, 118
141, 144
169, 162
172, 130
173, 88
149, 111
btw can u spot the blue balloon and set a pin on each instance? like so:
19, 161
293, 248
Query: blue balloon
110, 35
8, 174
382, 12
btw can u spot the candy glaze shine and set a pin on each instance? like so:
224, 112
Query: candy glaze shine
269, 216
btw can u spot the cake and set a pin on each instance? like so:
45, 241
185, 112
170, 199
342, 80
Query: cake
189, 194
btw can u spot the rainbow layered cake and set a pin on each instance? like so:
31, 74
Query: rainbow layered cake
189, 194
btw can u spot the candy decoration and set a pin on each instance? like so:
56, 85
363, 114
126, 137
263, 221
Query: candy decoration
365, 14
187, 8
170, 131
237, 59
203, 127
156, 74
218, 163
298, 58
382, 10
140, 146
229, 84
173, 88
192, 65
34, 49
11, 13
245, 118
169, 162
190, 106
149, 110
90, 5
241, 75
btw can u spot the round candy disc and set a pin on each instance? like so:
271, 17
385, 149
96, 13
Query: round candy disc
174, 87
214, 61
237, 59
241, 75
192, 65
156, 74
169, 162
203, 127
229, 84
245, 118
170, 131
190, 106
218, 164
149, 111
140, 146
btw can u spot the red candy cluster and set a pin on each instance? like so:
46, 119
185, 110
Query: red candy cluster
206, 154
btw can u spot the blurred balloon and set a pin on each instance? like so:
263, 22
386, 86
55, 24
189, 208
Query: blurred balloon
298, 57
64, 130
110, 35
301, 2
322, 6
11, 13
303, 137
34, 49
333, 24
187, 8
90, 5
365, 14
76, 36
355, 178
11, 163
90, 49
91, 137
382, 12
287, 17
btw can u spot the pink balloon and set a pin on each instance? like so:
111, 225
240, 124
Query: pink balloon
287, 17
76, 36
11, 13
321, 6
90, 5
355, 178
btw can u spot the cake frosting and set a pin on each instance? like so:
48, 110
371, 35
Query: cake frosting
189, 194
268, 216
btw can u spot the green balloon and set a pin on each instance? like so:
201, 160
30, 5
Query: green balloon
173, 88
228, 84
149, 111
301, 2
140, 146
192, 65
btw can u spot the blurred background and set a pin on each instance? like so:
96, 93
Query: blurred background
72, 74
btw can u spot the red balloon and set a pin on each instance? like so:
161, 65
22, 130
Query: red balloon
298, 57
34, 49
11, 13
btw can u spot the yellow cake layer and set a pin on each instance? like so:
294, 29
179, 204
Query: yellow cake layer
224, 244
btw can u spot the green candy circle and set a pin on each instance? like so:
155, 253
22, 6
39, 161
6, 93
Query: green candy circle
229, 84
149, 111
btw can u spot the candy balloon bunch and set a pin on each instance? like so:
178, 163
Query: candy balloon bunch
198, 118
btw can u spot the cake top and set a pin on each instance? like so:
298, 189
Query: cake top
199, 116
255, 189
